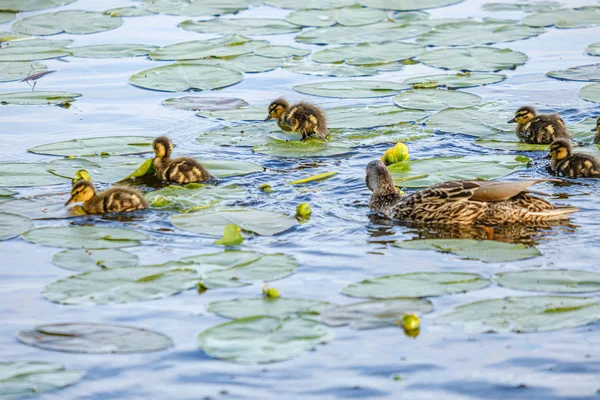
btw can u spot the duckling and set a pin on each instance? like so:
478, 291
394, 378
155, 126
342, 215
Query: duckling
597, 130
304, 118
113, 200
539, 129
461, 202
573, 165
180, 170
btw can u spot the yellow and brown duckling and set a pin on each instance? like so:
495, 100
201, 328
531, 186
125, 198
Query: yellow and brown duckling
179, 170
303, 118
572, 165
461, 202
113, 200
539, 129
597, 130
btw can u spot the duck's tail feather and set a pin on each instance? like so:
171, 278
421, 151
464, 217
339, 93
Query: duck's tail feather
557, 213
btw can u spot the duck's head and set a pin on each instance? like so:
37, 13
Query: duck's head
82, 190
162, 147
277, 109
524, 115
560, 149
379, 179
597, 128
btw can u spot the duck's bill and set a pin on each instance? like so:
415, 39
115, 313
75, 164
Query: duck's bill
268, 118
511, 121
71, 201
547, 156
594, 129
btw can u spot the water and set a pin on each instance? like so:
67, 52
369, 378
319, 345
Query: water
339, 245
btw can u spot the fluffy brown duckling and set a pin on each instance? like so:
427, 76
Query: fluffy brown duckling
304, 118
461, 202
539, 129
597, 130
113, 200
572, 165
180, 170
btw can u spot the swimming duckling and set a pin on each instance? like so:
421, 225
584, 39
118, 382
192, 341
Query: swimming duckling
539, 129
304, 118
180, 170
572, 165
113, 200
461, 202
597, 130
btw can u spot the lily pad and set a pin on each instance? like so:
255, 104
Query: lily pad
195, 103
227, 46
6, 16
589, 93
481, 121
249, 113
307, 148
70, 21
224, 167
403, 132
12, 225
101, 168
248, 63
244, 135
121, 285
351, 89
263, 339
549, 280
194, 197
270, 307
594, 49
488, 251
241, 26
416, 284
31, 5
308, 67
183, 77
24, 378
84, 237
469, 33
16, 71
474, 58
107, 145
566, 18
196, 8
374, 313
38, 98
131, 11
27, 174
581, 73
369, 53
407, 5
94, 338
374, 33
431, 171
529, 6
524, 314
371, 116
40, 207
212, 222
309, 4
454, 81
347, 16
281, 52
83, 260
435, 99
112, 50
34, 49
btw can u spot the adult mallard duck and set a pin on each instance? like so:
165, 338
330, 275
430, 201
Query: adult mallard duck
303, 118
597, 130
539, 129
572, 165
113, 200
180, 170
461, 202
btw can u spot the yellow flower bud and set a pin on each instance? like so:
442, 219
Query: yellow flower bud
395, 154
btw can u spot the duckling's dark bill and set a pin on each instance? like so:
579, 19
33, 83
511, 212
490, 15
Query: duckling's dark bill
71, 200
512, 121
268, 118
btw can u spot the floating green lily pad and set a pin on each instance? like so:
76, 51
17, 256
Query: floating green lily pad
594, 49
371, 116
27, 174
70, 21
281, 52
482, 121
529, 6
34, 49
281, 307
24, 378
31, 5
83, 260
41, 207
310, 4
196, 8
307, 148
314, 18
38, 98
581, 73
589, 93
183, 77
94, 338
374, 33
435, 99
228, 46
469, 33
224, 167
12, 225
407, 5
369, 53
403, 132
416, 284
549, 280
524, 314
374, 313
489, 251
431, 171
112, 50
566, 18
454, 81
86, 237
263, 339
131, 11
195, 103
16, 71
241, 26
474, 58
249, 63
121, 285
108, 145
194, 197
244, 135
347, 16
308, 67
6, 16
101, 169
351, 89
249, 113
